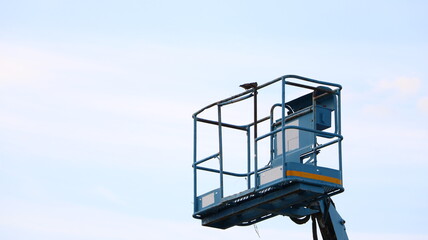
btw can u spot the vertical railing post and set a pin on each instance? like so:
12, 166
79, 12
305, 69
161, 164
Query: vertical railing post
253, 86
255, 164
248, 158
255, 111
314, 125
283, 120
255, 134
271, 136
220, 146
340, 133
195, 178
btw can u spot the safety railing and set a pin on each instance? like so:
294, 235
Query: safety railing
252, 93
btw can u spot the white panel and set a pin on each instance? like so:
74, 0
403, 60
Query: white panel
208, 200
291, 138
271, 175
279, 143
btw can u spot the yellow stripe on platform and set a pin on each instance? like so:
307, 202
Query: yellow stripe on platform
313, 176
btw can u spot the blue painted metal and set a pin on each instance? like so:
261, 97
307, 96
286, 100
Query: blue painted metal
284, 156
338, 223
220, 150
331, 224
206, 159
294, 181
248, 159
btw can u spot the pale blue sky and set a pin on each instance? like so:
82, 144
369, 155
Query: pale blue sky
96, 99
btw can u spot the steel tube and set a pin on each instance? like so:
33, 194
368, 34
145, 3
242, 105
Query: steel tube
195, 190
283, 121
267, 84
223, 124
314, 125
340, 132
205, 159
248, 159
235, 100
321, 133
220, 150
229, 173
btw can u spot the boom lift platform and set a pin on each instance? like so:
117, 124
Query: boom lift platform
293, 182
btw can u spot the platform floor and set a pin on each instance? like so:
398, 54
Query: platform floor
255, 206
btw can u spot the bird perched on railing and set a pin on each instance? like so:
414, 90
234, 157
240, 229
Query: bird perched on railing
247, 86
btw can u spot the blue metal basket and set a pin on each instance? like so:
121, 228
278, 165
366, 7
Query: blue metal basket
294, 178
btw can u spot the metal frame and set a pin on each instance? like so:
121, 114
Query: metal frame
253, 187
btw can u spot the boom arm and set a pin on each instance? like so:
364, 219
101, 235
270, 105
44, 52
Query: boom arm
331, 224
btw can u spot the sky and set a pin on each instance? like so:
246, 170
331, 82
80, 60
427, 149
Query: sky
96, 99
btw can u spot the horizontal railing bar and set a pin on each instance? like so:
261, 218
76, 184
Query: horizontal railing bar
244, 128
300, 78
308, 87
320, 133
224, 100
206, 159
259, 121
269, 83
224, 172
327, 143
300, 85
230, 173
321, 95
295, 115
236, 100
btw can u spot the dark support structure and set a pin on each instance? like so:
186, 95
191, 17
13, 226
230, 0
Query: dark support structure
253, 86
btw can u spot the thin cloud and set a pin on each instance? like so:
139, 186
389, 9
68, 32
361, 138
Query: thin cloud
25, 65
108, 194
379, 110
78, 222
47, 222
403, 85
423, 104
